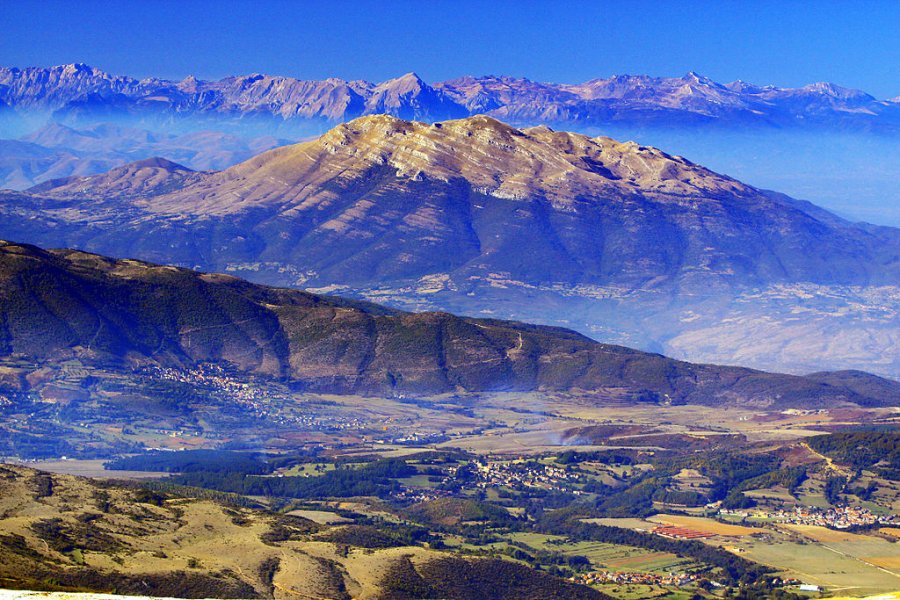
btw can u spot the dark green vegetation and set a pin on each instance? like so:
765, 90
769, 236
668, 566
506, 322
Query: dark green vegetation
477, 580
373, 479
879, 449
192, 461
58, 305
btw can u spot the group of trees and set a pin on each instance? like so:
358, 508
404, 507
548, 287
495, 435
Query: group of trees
863, 449
373, 479
194, 461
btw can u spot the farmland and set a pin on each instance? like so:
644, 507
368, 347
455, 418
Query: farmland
574, 485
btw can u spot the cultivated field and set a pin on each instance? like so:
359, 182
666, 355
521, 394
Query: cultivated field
705, 525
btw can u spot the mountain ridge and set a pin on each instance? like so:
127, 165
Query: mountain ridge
621, 241
77, 89
66, 303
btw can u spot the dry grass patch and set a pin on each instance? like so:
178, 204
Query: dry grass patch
322, 517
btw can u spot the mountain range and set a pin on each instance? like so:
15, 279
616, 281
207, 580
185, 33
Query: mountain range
64, 304
821, 142
55, 151
624, 242
78, 91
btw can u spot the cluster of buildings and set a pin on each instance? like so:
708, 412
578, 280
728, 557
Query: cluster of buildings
835, 517
525, 474
258, 401
635, 577
416, 495
838, 517
415, 438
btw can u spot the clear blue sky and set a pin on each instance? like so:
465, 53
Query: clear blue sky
853, 43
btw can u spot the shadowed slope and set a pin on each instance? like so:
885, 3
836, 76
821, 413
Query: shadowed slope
61, 303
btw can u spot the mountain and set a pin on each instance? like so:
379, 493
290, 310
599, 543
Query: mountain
55, 151
80, 92
23, 163
56, 305
381, 200
821, 141
144, 177
623, 242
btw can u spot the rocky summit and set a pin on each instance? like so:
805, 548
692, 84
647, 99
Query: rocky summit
79, 93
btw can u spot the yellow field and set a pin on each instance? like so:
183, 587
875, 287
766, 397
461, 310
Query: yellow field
892, 531
624, 522
705, 525
322, 517
90, 468
887, 562
823, 534
889, 596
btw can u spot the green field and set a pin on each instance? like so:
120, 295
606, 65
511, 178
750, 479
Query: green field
610, 557
309, 469
825, 565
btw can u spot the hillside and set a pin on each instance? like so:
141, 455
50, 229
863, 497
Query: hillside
63, 304
66, 533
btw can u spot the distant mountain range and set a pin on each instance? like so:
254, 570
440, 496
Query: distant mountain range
621, 241
65, 304
79, 93
55, 150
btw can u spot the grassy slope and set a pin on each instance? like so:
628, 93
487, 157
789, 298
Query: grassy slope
63, 532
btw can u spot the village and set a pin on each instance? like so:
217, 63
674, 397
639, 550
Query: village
636, 577
260, 402
524, 474
836, 517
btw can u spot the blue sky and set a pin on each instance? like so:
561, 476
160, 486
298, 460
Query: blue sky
786, 43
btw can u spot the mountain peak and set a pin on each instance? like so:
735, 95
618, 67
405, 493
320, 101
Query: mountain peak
73, 69
158, 162
405, 83
149, 176
836, 91
492, 157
